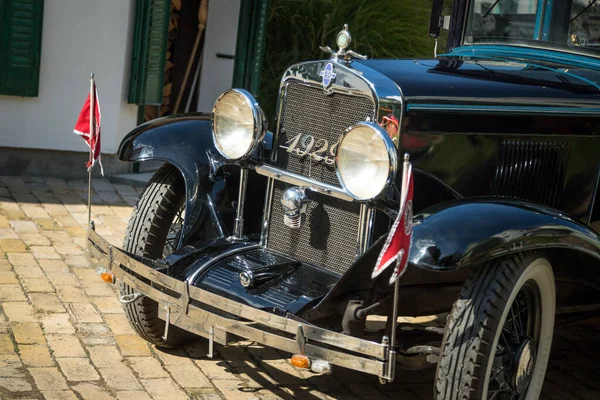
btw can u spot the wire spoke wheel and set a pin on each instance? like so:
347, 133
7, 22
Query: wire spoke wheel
514, 359
498, 336
174, 233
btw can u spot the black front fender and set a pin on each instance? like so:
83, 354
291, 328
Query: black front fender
185, 141
468, 232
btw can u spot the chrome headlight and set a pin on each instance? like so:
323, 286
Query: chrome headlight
238, 124
366, 161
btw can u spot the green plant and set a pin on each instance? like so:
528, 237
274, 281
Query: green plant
380, 29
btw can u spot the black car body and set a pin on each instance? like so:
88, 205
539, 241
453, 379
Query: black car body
502, 132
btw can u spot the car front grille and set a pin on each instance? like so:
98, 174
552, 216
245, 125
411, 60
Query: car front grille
309, 111
328, 237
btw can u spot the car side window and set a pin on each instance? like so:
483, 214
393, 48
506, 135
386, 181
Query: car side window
584, 24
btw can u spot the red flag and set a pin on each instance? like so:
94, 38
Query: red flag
82, 128
397, 245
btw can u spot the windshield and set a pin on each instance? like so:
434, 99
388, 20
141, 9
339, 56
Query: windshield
565, 23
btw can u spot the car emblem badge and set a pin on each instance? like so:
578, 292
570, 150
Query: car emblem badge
328, 75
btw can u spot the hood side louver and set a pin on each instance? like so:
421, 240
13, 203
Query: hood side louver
531, 170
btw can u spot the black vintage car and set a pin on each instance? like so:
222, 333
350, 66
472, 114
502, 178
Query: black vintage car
272, 236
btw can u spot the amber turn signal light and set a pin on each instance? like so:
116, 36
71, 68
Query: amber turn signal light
300, 361
106, 275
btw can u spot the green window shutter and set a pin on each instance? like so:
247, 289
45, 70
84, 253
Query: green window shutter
149, 51
250, 46
20, 46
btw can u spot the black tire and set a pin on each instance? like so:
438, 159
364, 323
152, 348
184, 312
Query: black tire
484, 351
146, 235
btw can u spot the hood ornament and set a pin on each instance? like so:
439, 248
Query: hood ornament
343, 41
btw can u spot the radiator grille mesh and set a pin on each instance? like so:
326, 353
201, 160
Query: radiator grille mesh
310, 111
328, 237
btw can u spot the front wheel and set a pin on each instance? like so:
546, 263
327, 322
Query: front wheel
499, 332
153, 232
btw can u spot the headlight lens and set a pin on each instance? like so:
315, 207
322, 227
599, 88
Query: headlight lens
366, 161
238, 124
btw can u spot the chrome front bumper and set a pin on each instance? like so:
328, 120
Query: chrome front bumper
188, 308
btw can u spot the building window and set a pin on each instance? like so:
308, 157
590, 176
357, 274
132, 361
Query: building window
20, 46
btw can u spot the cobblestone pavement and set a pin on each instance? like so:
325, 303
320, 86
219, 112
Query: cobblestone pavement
63, 334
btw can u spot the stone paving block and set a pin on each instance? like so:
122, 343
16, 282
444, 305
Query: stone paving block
108, 305
19, 311
90, 391
53, 265
37, 285
57, 236
55, 210
75, 231
48, 378
119, 324
35, 239
79, 261
105, 356
130, 395
15, 384
59, 395
61, 278
4, 264
24, 226
8, 277
78, 369
47, 302
230, 388
95, 334
11, 292
28, 333
99, 289
57, 323
67, 221
11, 366
13, 246
83, 312
187, 375
72, 294
132, 345
214, 369
4, 222
35, 355
14, 215
163, 389
65, 346
21, 259
34, 211
29, 271
68, 249
147, 367
7, 347
44, 252
8, 233
120, 378
48, 225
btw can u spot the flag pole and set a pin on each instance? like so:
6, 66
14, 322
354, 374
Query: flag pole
92, 99
392, 358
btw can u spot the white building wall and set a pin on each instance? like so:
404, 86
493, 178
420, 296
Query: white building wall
79, 37
220, 38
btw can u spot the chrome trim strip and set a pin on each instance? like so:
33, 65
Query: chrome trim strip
192, 317
366, 217
303, 181
238, 228
264, 234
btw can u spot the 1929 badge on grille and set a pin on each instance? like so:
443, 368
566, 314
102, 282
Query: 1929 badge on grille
328, 75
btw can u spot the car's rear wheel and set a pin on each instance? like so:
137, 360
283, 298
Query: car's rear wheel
499, 332
153, 232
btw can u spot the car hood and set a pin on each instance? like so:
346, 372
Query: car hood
493, 79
